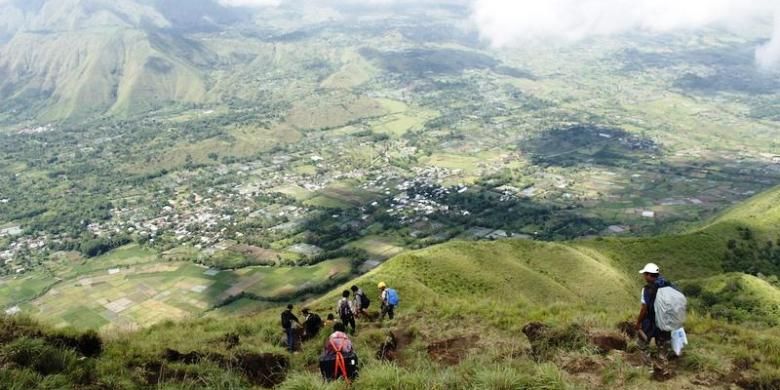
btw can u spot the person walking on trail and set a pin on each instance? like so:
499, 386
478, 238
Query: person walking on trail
361, 301
346, 310
389, 299
312, 323
288, 318
338, 359
646, 321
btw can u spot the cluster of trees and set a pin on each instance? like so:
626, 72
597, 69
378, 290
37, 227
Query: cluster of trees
732, 302
749, 255
93, 246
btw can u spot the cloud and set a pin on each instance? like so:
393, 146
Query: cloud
505, 23
511, 22
768, 55
249, 3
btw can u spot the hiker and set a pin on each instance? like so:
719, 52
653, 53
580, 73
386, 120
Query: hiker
338, 359
312, 323
646, 321
389, 299
288, 318
330, 321
346, 311
361, 301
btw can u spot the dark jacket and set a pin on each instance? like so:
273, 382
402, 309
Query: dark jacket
288, 318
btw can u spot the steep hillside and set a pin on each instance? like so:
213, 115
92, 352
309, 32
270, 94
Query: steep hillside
509, 314
465, 307
761, 213
72, 59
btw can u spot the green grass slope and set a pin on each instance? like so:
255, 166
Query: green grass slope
460, 325
761, 213
74, 59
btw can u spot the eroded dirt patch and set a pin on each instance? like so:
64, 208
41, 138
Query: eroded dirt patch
264, 369
452, 351
393, 344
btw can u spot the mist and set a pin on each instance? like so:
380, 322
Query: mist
768, 55
505, 23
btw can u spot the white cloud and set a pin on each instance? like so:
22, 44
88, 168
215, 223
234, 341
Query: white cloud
768, 55
507, 22
250, 3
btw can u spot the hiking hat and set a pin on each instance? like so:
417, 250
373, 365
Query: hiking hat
381, 285
650, 268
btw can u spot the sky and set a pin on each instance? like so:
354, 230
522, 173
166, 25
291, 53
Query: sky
505, 23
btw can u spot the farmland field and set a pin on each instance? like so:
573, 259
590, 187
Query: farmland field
139, 294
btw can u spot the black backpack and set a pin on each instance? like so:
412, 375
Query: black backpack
344, 310
364, 301
314, 322
286, 321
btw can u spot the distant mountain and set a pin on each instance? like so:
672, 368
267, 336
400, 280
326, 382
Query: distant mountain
73, 58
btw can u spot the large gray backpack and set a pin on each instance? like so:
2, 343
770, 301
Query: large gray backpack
670, 306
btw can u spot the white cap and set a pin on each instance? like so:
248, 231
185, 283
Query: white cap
650, 268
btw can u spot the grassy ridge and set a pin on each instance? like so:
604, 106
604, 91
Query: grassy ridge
461, 318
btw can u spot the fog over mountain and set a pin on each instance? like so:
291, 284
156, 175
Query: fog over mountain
75, 58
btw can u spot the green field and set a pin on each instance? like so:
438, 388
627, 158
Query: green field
146, 293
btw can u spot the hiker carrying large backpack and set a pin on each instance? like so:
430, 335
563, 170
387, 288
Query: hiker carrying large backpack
361, 301
663, 309
346, 311
389, 298
338, 359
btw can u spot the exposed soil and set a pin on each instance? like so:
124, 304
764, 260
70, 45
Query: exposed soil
264, 369
662, 371
370, 316
609, 342
545, 340
627, 328
88, 344
584, 364
535, 330
636, 358
393, 344
452, 351
174, 356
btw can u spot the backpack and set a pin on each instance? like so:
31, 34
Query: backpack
344, 310
670, 307
364, 301
314, 323
392, 297
286, 322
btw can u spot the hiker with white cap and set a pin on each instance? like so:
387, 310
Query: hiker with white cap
663, 310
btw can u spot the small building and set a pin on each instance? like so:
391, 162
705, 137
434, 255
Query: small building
617, 229
648, 214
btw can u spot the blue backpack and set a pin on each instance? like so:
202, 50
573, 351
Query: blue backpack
392, 297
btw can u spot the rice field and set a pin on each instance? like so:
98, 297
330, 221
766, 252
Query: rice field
136, 295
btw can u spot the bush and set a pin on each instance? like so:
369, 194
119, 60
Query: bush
36, 354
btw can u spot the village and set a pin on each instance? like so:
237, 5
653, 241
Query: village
275, 197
